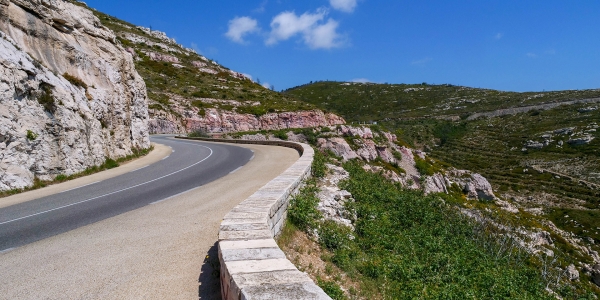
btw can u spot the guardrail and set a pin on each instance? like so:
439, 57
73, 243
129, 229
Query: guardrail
252, 265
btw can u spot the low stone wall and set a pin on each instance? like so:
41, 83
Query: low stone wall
252, 265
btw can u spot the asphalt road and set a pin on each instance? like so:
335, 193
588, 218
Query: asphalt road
191, 165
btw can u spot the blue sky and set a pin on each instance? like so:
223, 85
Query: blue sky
511, 45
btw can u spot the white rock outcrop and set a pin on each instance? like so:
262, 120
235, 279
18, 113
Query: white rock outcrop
48, 124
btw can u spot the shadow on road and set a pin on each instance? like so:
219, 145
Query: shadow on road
209, 280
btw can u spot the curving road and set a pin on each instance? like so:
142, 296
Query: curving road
192, 164
166, 250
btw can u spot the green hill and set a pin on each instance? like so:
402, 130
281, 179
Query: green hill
546, 157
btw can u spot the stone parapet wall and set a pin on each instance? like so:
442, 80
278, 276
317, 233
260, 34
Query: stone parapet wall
252, 265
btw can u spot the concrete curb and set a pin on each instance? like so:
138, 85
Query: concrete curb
252, 265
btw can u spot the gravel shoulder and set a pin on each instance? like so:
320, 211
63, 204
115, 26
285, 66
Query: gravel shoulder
155, 252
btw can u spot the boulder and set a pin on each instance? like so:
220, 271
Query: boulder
572, 273
596, 274
435, 184
583, 140
339, 146
473, 184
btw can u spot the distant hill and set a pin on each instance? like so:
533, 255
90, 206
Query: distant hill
361, 102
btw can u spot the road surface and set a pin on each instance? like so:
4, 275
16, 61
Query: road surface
137, 236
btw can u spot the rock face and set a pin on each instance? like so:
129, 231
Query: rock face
218, 121
473, 184
332, 200
50, 125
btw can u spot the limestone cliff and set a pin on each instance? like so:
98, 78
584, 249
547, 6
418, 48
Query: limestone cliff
69, 93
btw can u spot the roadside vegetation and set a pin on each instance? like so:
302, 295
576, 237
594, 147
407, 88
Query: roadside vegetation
406, 245
109, 163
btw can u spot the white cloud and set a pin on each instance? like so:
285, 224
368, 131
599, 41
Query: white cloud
361, 80
261, 8
239, 27
316, 34
499, 35
421, 61
343, 5
266, 85
195, 47
248, 76
531, 55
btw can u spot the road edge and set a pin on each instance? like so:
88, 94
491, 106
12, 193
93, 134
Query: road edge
252, 264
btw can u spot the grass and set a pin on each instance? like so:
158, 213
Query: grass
109, 163
410, 246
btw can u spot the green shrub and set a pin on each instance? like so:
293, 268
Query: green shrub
46, 98
201, 133
303, 211
424, 167
334, 236
110, 163
281, 134
319, 169
61, 177
331, 289
31, 135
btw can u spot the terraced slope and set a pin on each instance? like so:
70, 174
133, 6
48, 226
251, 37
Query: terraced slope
361, 102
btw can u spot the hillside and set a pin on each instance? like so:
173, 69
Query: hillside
364, 102
541, 157
189, 92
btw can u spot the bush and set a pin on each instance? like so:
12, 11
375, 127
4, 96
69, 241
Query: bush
281, 135
31, 135
424, 167
46, 98
75, 81
110, 163
303, 211
200, 133
319, 169
334, 236
331, 289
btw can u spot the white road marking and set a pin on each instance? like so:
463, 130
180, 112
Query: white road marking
7, 250
235, 170
251, 158
175, 195
81, 186
139, 169
115, 192
166, 157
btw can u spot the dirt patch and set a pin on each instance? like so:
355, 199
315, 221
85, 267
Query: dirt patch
308, 257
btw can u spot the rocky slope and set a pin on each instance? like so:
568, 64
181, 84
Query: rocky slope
190, 92
574, 258
70, 94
